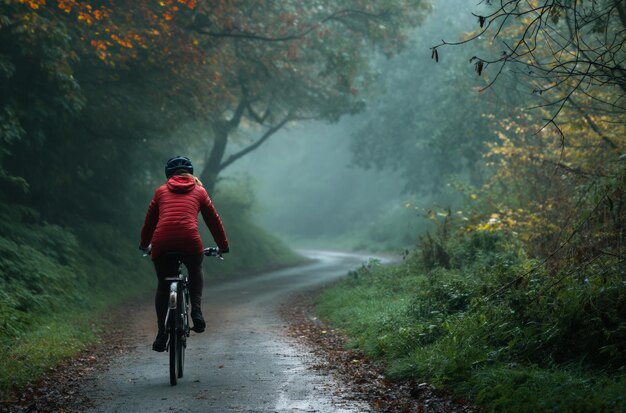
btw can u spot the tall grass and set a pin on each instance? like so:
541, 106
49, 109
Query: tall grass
444, 317
55, 281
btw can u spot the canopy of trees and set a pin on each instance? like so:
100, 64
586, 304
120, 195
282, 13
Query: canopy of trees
94, 92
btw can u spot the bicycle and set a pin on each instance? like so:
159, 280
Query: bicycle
177, 318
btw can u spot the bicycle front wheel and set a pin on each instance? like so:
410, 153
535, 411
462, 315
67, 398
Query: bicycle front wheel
180, 354
173, 348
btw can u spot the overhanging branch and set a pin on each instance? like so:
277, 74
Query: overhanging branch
298, 35
593, 125
232, 158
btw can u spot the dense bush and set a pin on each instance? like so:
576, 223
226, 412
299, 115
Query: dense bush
492, 324
54, 282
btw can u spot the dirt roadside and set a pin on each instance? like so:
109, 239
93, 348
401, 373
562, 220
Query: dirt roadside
364, 378
59, 389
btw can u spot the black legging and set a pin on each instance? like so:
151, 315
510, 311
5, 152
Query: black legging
167, 266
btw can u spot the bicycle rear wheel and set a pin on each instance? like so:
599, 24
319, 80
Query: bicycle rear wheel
173, 348
183, 330
180, 354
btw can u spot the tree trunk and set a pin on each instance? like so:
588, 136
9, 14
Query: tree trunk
214, 162
221, 130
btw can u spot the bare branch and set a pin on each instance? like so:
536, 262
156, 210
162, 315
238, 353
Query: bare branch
338, 15
592, 124
563, 46
232, 158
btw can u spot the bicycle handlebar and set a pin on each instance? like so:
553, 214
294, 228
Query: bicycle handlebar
147, 251
209, 252
213, 252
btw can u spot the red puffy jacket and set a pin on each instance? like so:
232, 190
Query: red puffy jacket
171, 223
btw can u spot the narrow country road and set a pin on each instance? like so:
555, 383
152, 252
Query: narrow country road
242, 363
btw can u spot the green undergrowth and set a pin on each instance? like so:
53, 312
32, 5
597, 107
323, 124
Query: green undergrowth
463, 319
55, 281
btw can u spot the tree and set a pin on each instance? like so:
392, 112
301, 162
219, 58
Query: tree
565, 49
84, 90
38, 87
430, 122
559, 188
291, 61
118, 79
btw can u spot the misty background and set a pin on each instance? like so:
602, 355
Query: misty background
308, 189
314, 189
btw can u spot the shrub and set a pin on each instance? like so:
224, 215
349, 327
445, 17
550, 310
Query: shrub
493, 324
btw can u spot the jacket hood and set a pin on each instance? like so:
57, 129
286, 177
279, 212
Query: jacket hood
181, 183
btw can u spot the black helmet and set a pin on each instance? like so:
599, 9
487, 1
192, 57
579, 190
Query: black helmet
176, 163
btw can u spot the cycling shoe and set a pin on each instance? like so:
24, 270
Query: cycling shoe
198, 321
160, 343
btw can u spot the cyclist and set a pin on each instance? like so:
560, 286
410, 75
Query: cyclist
171, 225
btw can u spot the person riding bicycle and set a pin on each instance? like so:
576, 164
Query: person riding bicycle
171, 225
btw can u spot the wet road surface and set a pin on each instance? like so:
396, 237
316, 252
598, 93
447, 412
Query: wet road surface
243, 362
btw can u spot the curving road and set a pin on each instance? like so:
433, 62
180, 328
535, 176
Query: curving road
242, 363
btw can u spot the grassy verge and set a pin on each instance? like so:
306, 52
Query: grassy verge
55, 282
253, 249
529, 349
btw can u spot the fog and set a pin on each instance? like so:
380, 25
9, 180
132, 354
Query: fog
311, 183
307, 186
371, 130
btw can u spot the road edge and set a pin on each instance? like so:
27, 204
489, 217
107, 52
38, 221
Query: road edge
364, 378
